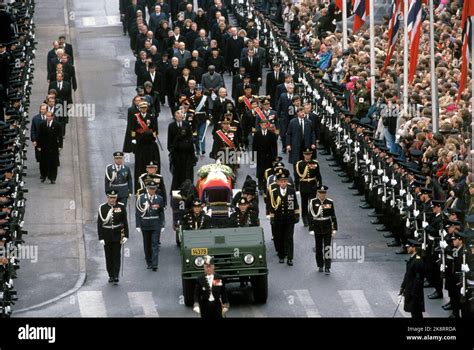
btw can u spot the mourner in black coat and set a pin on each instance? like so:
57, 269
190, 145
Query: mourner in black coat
49, 143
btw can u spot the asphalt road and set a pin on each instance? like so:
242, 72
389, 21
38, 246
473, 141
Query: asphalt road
364, 288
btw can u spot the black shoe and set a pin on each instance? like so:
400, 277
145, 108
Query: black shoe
53, 182
393, 244
348, 181
401, 251
116, 281
352, 188
427, 284
357, 194
320, 269
453, 316
331, 159
281, 261
382, 228
376, 222
365, 206
43, 179
374, 215
342, 175
290, 262
148, 267
447, 307
388, 235
155, 268
111, 279
327, 271
436, 295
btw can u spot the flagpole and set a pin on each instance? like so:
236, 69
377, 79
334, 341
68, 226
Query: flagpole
434, 80
372, 51
405, 56
344, 24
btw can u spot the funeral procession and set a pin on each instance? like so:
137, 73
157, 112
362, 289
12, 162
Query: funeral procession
237, 159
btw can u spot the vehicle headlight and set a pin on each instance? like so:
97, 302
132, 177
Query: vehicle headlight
249, 259
199, 261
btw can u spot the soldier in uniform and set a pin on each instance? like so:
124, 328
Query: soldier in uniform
152, 175
249, 192
412, 285
226, 143
149, 220
266, 148
112, 227
210, 297
243, 217
141, 122
119, 177
196, 219
324, 225
309, 175
284, 214
200, 104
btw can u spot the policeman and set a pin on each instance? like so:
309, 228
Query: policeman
119, 177
149, 221
309, 175
412, 285
284, 214
243, 217
323, 226
210, 297
112, 227
196, 219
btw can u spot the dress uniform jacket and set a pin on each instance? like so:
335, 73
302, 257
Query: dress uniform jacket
309, 175
323, 216
283, 207
210, 296
148, 218
244, 219
196, 222
112, 223
412, 285
119, 180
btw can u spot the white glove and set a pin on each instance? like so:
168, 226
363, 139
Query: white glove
423, 246
225, 310
379, 171
416, 213
385, 179
462, 291
393, 182
402, 192
372, 167
311, 233
102, 242
139, 229
124, 240
424, 224
197, 310
334, 232
465, 268
443, 244
268, 217
400, 298
134, 142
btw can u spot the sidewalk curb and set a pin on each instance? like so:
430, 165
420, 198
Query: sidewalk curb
78, 200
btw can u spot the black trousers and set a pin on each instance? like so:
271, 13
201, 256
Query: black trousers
283, 235
323, 244
211, 309
417, 315
49, 166
112, 258
305, 197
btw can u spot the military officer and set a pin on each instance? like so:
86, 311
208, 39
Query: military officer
149, 220
284, 214
324, 226
243, 217
309, 175
226, 144
152, 175
196, 219
142, 122
119, 177
412, 285
112, 227
210, 297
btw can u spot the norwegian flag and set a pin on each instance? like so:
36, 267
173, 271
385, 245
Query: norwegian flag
393, 31
339, 4
361, 12
414, 32
466, 23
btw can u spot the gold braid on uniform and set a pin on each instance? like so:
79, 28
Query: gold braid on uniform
305, 172
272, 200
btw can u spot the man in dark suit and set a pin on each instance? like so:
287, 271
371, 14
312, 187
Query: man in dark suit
49, 143
285, 111
51, 55
63, 88
220, 105
274, 78
253, 68
171, 77
210, 297
154, 77
35, 124
233, 49
265, 146
315, 123
174, 128
282, 88
66, 47
299, 137
69, 72
236, 81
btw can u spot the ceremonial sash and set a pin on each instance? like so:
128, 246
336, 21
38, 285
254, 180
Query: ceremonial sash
226, 140
201, 104
142, 123
247, 103
260, 113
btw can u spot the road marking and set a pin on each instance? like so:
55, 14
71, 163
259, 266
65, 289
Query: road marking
357, 303
305, 300
394, 296
88, 21
91, 304
144, 302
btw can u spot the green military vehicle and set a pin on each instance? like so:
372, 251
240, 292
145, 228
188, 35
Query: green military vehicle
239, 256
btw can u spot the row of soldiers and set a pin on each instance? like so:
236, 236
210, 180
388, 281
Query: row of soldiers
16, 54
